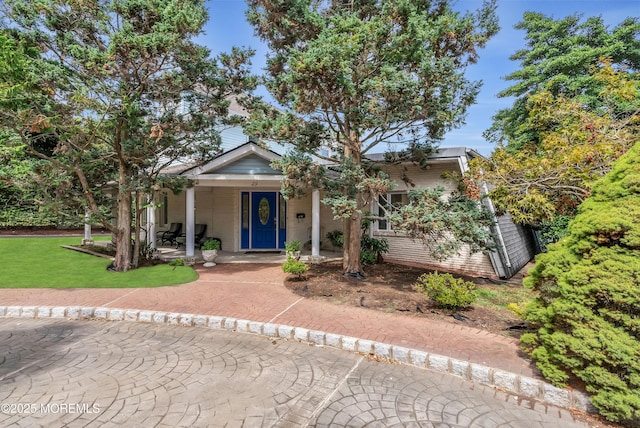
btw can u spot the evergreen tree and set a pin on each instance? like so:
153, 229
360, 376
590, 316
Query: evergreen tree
356, 75
558, 58
121, 90
587, 316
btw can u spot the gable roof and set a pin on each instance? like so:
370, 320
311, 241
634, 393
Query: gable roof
248, 158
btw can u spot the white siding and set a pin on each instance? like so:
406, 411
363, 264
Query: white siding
225, 217
297, 228
422, 178
300, 229
204, 204
232, 138
176, 208
406, 250
215, 207
328, 224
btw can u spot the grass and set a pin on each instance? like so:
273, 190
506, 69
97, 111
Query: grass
41, 263
502, 296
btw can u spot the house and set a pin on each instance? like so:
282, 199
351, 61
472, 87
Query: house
237, 195
515, 245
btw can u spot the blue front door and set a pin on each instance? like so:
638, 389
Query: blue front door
264, 222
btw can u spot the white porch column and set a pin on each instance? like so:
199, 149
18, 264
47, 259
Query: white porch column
88, 240
190, 216
315, 225
151, 223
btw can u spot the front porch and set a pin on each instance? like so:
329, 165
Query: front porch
276, 257
236, 199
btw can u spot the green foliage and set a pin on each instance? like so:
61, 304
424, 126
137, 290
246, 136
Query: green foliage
176, 262
444, 225
336, 238
103, 86
368, 257
518, 309
553, 173
353, 76
588, 311
33, 192
292, 246
558, 57
371, 249
448, 292
211, 244
553, 230
295, 267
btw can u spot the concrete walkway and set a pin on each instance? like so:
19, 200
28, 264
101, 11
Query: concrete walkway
61, 373
256, 292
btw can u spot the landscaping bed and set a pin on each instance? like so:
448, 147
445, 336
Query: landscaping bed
389, 288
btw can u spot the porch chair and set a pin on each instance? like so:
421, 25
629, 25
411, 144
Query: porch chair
199, 232
170, 235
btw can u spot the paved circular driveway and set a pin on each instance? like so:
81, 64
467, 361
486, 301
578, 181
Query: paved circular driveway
70, 373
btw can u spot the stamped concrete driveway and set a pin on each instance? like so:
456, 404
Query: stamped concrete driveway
97, 373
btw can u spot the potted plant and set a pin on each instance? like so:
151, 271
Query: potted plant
293, 249
210, 251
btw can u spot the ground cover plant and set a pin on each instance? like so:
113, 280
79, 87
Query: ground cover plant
41, 262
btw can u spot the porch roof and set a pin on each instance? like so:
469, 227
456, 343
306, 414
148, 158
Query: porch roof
248, 164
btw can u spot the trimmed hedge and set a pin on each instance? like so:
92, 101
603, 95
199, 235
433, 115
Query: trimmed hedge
588, 313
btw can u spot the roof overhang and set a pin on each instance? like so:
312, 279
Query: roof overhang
238, 180
228, 158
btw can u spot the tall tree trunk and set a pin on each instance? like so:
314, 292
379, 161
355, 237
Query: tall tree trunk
353, 231
136, 241
122, 260
346, 238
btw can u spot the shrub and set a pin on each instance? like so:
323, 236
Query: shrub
295, 267
211, 244
518, 309
446, 291
587, 315
368, 257
553, 230
176, 262
292, 246
336, 238
371, 249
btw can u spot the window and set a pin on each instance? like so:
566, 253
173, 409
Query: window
389, 203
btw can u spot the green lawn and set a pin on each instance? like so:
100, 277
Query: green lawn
42, 263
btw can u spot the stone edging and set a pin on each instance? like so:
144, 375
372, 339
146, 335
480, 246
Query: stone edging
522, 386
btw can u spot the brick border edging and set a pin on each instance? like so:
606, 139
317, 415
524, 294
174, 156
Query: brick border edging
522, 386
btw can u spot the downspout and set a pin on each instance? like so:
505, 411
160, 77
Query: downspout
502, 253
503, 256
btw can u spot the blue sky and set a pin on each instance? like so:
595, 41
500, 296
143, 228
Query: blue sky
227, 27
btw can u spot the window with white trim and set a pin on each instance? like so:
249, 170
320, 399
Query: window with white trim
389, 203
